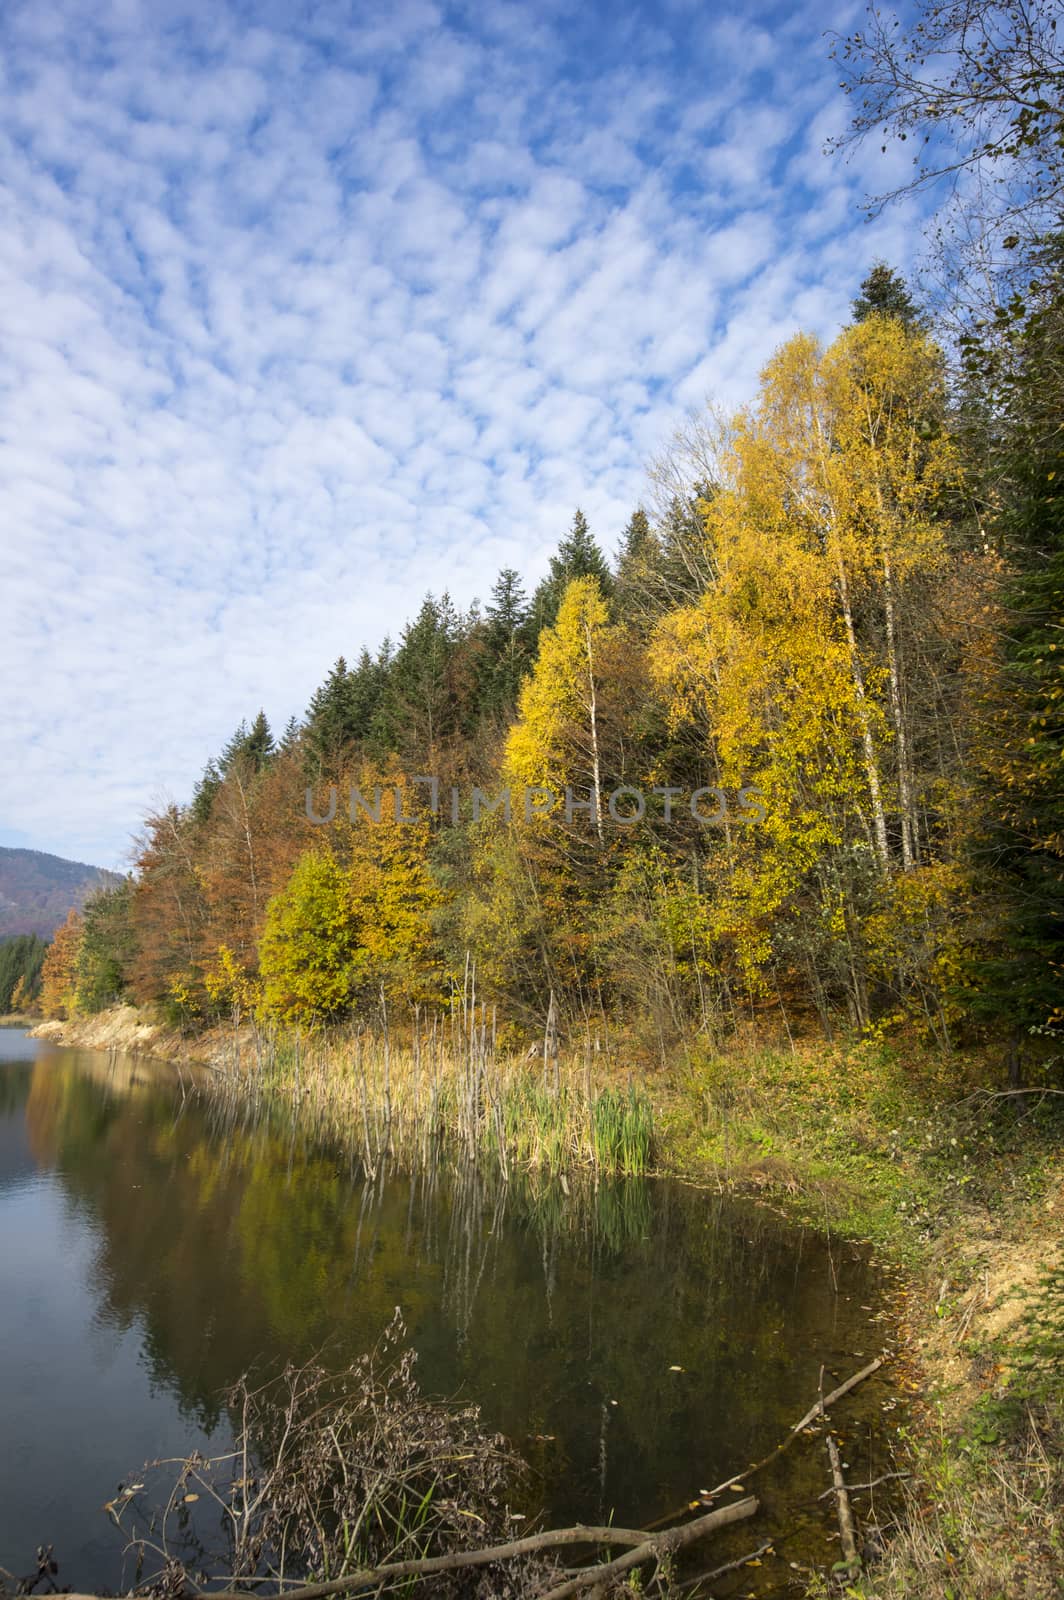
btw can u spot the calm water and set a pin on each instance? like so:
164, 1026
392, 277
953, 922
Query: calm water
149, 1254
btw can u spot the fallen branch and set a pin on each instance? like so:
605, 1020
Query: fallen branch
823, 1402
427, 1566
645, 1548
729, 1566
847, 1532
661, 1544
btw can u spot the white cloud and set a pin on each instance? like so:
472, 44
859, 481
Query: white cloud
302, 318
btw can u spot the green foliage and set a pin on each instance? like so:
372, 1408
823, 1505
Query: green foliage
506, 647
106, 951
21, 959
310, 956
884, 293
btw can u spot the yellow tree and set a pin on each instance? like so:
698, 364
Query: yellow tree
831, 488
557, 741
565, 754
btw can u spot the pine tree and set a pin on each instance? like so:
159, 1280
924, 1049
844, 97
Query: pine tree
331, 726
506, 647
419, 708
1019, 849
638, 560
884, 293
577, 556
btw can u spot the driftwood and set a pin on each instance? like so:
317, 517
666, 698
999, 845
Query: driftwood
646, 1547
847, 1531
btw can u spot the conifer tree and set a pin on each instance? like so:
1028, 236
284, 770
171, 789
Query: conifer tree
577, 556
884, 293
506, 646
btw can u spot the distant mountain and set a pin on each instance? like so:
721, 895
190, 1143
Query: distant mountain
37, 890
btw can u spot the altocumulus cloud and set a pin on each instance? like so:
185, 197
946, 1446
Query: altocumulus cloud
307, 310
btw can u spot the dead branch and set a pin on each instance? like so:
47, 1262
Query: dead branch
823, 1402
847, 1532
859, 1488
729, 1566
660, 1544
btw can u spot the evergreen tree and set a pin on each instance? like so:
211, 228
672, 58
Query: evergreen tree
638, 559
419, 707
259, 746
21, 958
884, 293
506, 646
106, 952
249, 748
205, 791
1019, 853
330, 725
577, 556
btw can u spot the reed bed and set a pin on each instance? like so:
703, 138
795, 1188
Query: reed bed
446, 1083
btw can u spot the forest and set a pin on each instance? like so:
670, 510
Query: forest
845, 598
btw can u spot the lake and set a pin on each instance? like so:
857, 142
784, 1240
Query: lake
636, 1341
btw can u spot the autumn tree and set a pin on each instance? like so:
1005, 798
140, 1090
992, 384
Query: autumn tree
356, 916
59, 973
795, 655
310, 955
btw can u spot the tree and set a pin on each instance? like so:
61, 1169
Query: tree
310, 956
59, 973
506, 646
558, 740
884, 293
797, 655
638, 561
420, 707
21, 958
978, 86
577, 556
1018, 842
106, 952
355, 918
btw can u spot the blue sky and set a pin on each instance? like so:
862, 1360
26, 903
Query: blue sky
308, 309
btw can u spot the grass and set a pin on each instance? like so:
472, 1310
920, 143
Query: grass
885, 1143
404, 1100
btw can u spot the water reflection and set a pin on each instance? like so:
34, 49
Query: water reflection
636, 1340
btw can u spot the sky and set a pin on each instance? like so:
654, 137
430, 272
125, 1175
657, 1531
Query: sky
309, 309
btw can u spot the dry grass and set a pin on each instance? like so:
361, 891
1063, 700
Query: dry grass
449, 1084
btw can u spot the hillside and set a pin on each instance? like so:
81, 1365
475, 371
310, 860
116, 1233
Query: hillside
37, 890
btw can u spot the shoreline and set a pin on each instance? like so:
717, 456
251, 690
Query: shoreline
965, 1235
